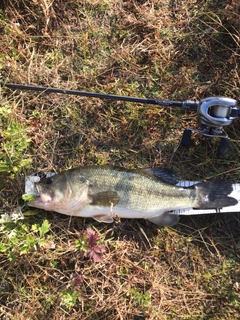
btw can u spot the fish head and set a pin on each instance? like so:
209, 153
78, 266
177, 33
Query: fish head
66, 192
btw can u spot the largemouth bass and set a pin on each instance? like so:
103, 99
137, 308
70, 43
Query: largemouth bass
106, 193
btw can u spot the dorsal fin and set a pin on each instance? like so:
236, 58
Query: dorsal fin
164, 174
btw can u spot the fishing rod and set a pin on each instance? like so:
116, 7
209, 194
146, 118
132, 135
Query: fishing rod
189, 105
214, 112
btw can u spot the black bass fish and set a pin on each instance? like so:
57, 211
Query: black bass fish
106, 193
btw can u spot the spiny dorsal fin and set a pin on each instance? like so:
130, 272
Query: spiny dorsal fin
164, 174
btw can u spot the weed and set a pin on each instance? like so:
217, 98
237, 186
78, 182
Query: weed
22, 239
88, 245
69, 298
14, 142
140, 298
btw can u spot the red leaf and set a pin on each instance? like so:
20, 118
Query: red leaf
92, 237
77, 281
96, 253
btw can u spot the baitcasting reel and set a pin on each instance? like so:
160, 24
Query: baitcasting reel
214, 113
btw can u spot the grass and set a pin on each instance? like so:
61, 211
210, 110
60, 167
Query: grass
176, 50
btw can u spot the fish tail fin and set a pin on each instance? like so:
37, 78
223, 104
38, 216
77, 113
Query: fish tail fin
214, 194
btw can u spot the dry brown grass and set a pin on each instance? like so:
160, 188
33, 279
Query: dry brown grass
174, 50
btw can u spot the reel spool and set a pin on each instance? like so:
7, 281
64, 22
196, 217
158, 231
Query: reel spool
214, 113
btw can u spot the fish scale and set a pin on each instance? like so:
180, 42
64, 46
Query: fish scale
106, 192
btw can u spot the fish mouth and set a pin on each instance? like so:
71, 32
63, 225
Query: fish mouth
36, 202
41, 199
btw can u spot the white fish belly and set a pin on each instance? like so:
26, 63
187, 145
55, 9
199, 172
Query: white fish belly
122, 212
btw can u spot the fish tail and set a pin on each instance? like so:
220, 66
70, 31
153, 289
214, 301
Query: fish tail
214, 194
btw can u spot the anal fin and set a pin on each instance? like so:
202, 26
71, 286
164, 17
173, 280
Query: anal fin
166, 219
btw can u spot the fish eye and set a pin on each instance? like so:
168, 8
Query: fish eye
49, 181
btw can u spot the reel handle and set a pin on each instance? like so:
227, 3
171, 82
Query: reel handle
214, 113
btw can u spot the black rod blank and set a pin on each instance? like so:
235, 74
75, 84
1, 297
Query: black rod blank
190, 105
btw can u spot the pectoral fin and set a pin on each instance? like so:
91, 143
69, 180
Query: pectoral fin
103, 218
166, 219
105, 198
